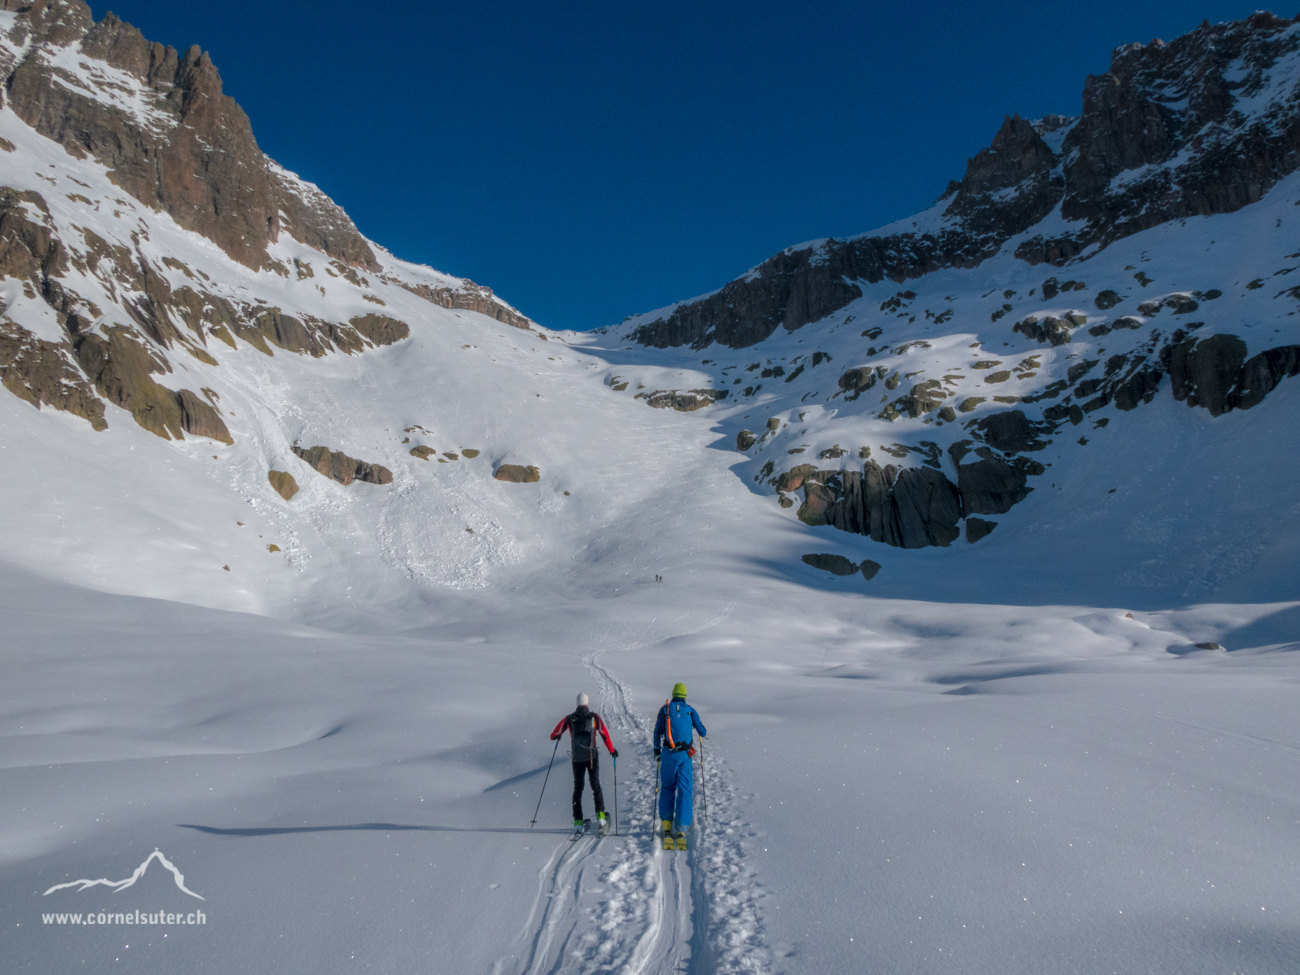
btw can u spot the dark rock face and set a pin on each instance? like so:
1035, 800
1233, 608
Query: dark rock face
1160, 99
1261, 374
1212, 372
517, 474
744, 440
196, 158
1054, 331
1170, 107
1204, 373
340, 467
977, 528
1010, 431
911, 508
869, 569
991, 486
1018, 159
800, 286
834, 564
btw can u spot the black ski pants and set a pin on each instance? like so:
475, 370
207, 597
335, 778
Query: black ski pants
587, 770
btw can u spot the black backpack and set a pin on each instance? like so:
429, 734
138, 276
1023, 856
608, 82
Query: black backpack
582, 729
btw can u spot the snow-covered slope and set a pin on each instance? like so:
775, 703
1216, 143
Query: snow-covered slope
320, 683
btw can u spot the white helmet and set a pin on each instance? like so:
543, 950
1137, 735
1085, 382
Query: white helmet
583, 700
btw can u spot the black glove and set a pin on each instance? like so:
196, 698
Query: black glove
614, 753
656, 753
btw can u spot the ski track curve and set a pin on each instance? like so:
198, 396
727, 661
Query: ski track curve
621, 903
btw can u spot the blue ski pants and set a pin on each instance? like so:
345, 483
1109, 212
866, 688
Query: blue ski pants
676, 783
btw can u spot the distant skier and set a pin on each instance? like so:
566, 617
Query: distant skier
676, 773
582, 726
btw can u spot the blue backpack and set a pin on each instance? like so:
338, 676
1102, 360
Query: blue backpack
678, 727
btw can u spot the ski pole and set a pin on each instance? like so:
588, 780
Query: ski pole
544, 781
616, 797
654, 812
704, 792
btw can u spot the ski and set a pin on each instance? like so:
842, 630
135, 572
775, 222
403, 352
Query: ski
580, 831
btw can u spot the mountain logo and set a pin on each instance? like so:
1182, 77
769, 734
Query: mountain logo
121, 885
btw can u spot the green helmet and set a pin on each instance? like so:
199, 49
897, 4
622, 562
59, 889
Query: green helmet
679, 690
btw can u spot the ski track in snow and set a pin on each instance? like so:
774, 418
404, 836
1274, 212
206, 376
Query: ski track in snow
623, 904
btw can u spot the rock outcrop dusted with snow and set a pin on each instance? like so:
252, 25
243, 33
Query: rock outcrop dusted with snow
161, 123
117, 152
338, 466
518, 473
1205, 124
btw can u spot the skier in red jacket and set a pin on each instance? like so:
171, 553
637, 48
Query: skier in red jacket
582, 725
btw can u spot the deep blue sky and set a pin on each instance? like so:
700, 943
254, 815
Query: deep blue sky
589, 161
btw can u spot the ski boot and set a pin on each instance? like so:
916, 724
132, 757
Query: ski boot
669, 843
680, 837
579, 827
602, 820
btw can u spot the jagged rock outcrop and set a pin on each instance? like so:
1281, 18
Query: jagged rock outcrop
338, 466
380, 329
29, 250
201, 419
682, 400
800, 286
991, 486
1017, 160
909, 508
1159, 100
857, 381
1213, 373
1010, 431
122, 371
1196, 138
470, 297
43, 373
1261, 373
191, 152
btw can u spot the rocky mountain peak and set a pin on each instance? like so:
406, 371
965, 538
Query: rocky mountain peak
162, 124
1017, 152
1204, 124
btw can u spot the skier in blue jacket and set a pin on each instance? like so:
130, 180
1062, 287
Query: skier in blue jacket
673, 749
